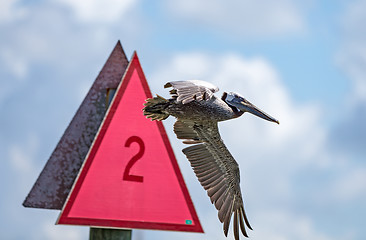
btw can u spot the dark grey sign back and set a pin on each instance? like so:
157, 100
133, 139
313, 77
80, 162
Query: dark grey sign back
57, 177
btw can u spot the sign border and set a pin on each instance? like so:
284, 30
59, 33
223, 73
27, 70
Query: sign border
108, 223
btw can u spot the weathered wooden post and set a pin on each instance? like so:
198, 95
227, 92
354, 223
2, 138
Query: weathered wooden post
109, 234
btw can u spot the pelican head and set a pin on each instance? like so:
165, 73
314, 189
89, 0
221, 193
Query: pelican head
242, 105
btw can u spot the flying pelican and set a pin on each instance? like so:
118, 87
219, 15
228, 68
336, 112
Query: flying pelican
198, 111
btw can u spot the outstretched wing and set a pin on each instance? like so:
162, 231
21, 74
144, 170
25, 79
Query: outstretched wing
187, 91
216, 169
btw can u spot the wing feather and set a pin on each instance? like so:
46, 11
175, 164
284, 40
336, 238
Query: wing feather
187, 91
216, 194
213, 183
211, 192
242, 226
220, 201
216, 170
236, 230
185, 130
229, 213
205, 167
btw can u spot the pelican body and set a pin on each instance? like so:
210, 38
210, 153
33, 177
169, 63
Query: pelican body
213, 109
198, 111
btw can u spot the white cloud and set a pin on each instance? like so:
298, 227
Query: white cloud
353, 18
35, 40
22, 156
31, 48
352, 56
349, 135
14, 63
99, 11
22, 161
10, 10
352, 59
52, 232
282, 225
350, 186
243, 18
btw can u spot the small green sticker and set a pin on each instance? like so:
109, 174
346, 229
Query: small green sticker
189, 222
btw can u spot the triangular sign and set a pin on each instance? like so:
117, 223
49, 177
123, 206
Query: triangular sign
130, 177
56, 179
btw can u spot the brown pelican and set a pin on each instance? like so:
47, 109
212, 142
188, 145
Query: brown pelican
198, 111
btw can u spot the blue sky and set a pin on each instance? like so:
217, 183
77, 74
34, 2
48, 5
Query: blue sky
303, 62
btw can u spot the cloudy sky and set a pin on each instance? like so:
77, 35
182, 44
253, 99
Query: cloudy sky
303, 62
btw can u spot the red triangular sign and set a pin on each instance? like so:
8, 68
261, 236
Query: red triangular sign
130, 177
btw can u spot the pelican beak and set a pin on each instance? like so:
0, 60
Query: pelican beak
246, 106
